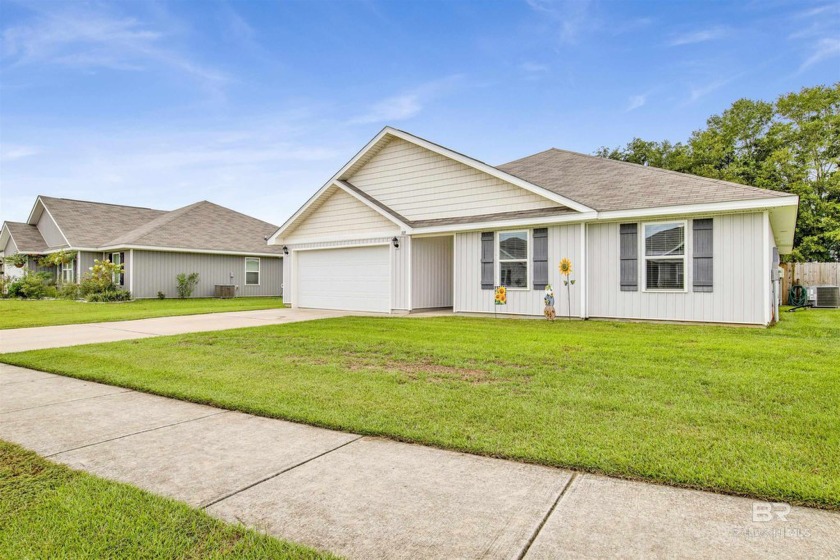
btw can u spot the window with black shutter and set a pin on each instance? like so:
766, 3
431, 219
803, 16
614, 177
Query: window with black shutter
540, 258
702, 231
629, 239
487, 239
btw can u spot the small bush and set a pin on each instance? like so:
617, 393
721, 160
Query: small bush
108, 296
186, 284
33, 285
100, 278
5, 281
69, 291
161, 295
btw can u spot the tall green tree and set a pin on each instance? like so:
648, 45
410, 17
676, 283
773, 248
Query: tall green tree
791, 145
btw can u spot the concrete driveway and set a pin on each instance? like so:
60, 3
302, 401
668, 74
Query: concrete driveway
36, 338
365, 497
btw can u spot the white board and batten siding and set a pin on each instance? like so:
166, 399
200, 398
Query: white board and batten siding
431, 272
156, 271
563, 241
739, 276
420, 184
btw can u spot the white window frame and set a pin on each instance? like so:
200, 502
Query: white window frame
115, 276
498, 260
71, 268
683, 257
259, 270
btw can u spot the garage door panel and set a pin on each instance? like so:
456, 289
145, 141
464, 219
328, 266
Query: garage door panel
354, 279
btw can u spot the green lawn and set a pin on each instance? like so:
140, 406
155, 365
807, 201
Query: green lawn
742, 410
50, 511
15, 313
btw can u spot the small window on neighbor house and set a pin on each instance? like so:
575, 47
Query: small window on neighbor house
252, 271
513, 259
68, 272
116, 258
665, 256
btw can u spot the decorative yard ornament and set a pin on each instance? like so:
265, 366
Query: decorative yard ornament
566, 271
549, 312
501, 295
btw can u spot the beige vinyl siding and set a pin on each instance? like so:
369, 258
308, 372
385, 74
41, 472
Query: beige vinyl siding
86, 259
156, 271
737, 295
49, 231
431, 272
563, 241
398, 260
10, 248
339, 216
420, 184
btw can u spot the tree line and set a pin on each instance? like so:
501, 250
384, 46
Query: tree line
790, 145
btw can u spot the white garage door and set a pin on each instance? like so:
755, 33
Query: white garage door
354, 279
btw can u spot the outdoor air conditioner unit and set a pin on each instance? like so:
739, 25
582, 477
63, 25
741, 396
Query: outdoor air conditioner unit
824, 296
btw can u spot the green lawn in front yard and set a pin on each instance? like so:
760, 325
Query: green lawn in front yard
16, 313
742, 410
50, 511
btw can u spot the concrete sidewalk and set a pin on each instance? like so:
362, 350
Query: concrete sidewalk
366, 497
36, 338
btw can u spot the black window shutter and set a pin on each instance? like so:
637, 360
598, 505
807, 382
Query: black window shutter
487, 238
540, 258
122, 274
629, 237
703, 261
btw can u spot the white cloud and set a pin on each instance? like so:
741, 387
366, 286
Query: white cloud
823, 50
534, 67
572, 17
407, 104
699, 36
698, 92
95, 39
12, 152
635, 102
395, 108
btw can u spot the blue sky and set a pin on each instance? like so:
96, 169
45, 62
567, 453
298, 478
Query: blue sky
254, 105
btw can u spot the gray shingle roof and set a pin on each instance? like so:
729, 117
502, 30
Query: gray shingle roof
27, 238
202, 226
605, 184
93, 224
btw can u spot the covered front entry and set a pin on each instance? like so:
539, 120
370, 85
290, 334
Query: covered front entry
351, 279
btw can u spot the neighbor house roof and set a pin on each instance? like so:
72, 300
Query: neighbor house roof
606, 184
27, 238
201, 226
93, 224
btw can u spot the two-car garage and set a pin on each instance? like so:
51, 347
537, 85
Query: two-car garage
353, 279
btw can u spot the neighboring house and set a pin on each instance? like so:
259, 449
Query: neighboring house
223, 246
408, 225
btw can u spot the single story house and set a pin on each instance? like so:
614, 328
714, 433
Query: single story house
408, 225
221, 245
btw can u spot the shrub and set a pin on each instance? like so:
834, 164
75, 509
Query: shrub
33, 285
186, 284
69, 291
4, 285
161, 295
109, 295
100, 278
